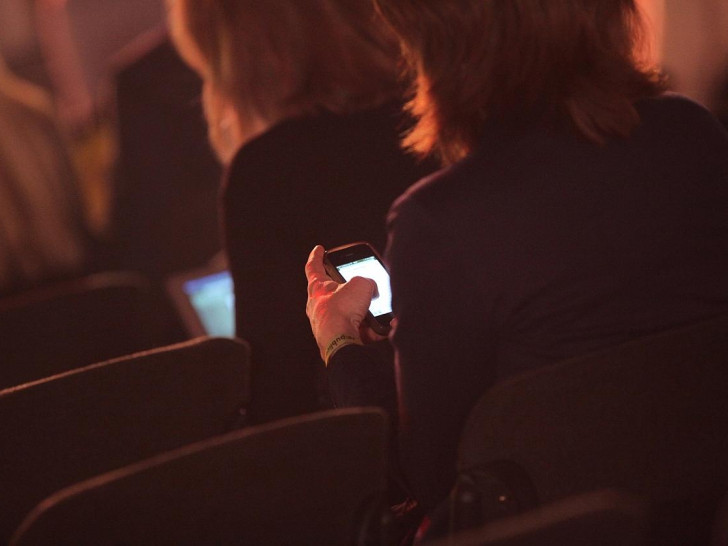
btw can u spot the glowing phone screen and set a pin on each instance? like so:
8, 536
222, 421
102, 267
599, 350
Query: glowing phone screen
371, 268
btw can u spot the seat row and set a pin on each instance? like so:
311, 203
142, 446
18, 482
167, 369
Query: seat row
627, 446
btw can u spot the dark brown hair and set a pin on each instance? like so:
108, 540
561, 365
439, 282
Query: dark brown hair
469, 60
289, 57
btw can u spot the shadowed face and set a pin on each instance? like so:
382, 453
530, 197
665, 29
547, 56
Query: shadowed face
223, 126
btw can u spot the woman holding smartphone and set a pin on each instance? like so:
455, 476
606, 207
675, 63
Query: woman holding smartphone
303, 108
580, 207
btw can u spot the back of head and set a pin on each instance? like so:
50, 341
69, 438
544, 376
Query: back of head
574, 61
281, 58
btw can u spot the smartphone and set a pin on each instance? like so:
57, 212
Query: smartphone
361, 260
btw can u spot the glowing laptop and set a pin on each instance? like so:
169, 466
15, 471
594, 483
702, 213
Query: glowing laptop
205, 299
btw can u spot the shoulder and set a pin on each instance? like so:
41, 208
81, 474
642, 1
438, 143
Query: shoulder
278, 153
670, 103
284, 142
672, 109
446, 191
320, 134
330, 152
680, 128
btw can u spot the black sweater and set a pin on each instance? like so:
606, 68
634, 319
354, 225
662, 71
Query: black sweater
327, 179
541, 246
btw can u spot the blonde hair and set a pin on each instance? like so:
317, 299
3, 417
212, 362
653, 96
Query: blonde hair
40, 215
281, 58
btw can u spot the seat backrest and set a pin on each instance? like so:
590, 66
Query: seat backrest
71, 324
66, 428
599, 518
648, 417
300, 481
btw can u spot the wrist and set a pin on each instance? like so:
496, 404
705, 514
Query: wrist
339, 341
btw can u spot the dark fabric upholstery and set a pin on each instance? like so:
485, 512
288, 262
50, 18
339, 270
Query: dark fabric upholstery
66, 428
301, 481
648, 417
71, 324
600, 518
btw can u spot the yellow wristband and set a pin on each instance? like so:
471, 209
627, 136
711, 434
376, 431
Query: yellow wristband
337, 343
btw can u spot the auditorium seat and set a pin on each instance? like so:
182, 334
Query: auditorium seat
66, 428
649, 417
74, 323
312, 480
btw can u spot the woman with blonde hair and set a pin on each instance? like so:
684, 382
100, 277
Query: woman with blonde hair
581, 208
42, 230
301, 98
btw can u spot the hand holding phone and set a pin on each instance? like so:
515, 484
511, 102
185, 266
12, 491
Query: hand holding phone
361, 260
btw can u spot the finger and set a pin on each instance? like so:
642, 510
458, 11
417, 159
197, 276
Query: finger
315, 264
352, 299
368, 335
315, 270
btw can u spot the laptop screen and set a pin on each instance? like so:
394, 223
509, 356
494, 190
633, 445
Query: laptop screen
213, 299
205, 299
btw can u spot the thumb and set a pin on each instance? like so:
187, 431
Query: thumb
353, 298
361, 287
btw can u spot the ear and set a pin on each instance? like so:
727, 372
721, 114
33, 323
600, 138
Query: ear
223, 124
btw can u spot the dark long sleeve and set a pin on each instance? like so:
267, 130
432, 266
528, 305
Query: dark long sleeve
541, 246
324, 180
363, 375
